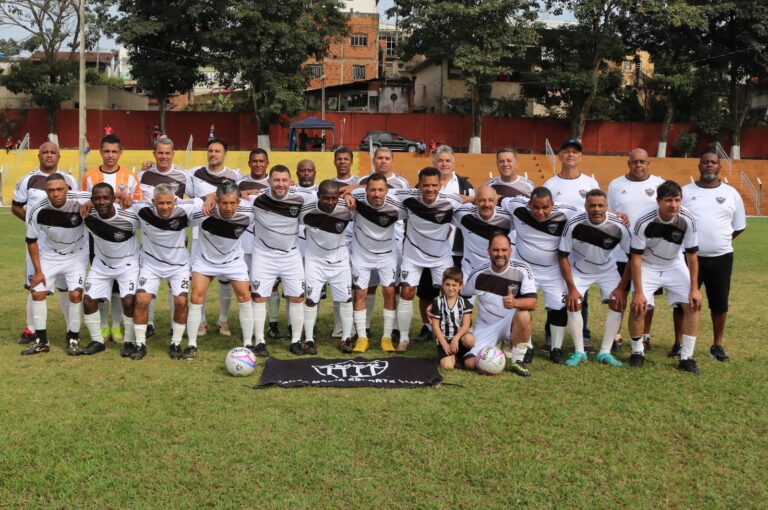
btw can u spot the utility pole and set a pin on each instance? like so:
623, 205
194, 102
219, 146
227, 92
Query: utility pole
82, 123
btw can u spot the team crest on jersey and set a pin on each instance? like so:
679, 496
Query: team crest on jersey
383, 220
650, 192
142, 281
583, 193
119, 237
676, 236
239, 231
608, 243
514, 288
294, 210
174, 224
552, 227
720, 200
339, 226
175, 187
439, 217
74, 219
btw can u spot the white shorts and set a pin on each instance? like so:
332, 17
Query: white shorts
99, 285
60, 283
371, 272
675, 279
149, 280
266, 268
550, 281
235, 270
410, 272
62, 273
491, 334
318, 273
607, 280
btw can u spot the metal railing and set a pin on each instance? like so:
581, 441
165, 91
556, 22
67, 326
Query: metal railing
550, 155
724, 157
755, 192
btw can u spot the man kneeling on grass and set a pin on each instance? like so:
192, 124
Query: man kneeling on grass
451, 317
506, 295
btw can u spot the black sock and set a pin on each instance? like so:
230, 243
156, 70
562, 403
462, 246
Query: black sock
42, 336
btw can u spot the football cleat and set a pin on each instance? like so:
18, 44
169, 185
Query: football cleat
309, 348
717, 352
556, 356
128, 349
608, 359
190, 353
202, 329
636, 360
618, 341
139, 352
361, 344
688, 365
273, 333
151, 330
528, 357
27, 336
387, 345
223, 328
336, 333
174, 351
675, 351
116, 334
261, 350
425, 335
296, 349
519, 368
402, 345
346, 345
73, 347
94, 348
106, 334
647, 347
576, 359
36, 348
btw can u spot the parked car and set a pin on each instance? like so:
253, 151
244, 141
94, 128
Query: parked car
394, 141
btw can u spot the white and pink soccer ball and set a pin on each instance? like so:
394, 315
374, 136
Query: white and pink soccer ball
491, 361
240, 361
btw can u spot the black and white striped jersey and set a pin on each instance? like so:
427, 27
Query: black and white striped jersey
164, 240
662, 242
114, 239
31, 188
59, 232
248, 183
450, 317
204, 181
591, 247
427, 236
478, 232
490, 288
537, 242
218, 241
374, 229
325, 232
276, 221
520, 187
178, 179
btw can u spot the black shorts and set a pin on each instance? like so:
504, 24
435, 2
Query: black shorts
464, 352
715, 274
426, 289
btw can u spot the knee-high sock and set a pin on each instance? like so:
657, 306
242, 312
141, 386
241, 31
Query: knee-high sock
390, 316
64, 306
259, 317
274, 306
202, 313
104, 313
194, 317
225, 301
370, 305
404, 317
129, 336
518, 351
336, 316
40, 315
296, 314
359, 318
689, 343
177, 332
151, 311
346, 313
171, 306
141, 333
558, 335
576, 327
30, 320
310, 317
246, 321
73, 312
93, 323
612, 327
117, 310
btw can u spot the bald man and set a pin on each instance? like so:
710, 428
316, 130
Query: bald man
29, 191
306, 174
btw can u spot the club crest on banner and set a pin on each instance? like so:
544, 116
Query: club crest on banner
352, 368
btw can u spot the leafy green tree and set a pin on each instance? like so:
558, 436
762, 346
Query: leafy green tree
479, 38
262, 46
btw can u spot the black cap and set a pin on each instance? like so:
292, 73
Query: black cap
572, 142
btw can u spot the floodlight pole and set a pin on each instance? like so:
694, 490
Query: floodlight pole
82, 122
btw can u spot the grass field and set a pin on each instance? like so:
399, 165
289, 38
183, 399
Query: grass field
105, 432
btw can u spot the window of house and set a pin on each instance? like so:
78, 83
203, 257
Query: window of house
358, 72
315, 70
359, 40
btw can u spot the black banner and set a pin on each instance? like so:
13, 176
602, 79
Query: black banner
397, 372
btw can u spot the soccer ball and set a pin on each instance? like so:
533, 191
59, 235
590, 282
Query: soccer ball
491, 361
240, 361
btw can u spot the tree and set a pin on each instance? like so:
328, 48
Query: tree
578, 60
479, 38
164, 43
262, 47
50, 25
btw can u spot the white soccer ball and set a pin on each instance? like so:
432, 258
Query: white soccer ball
240, 361
491, 361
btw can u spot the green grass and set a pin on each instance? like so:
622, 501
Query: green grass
105, 432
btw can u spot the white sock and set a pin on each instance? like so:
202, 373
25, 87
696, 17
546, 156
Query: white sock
73, 312
346, 313
171, 306
576, 327
390, 316
104, 313
358, 316
296, 314
177, 332
39, 315
310, 317
30, 320
689, 343
117, 310
558, 335
336, 316
530, 343
259, 317
202, 313
141, 333
404, 317
225, 301
637, 345
194, 317
370, 305
129, 336
93, 323
518, 351
274, 306
612, 327
64, 306
246, 321
151, 311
